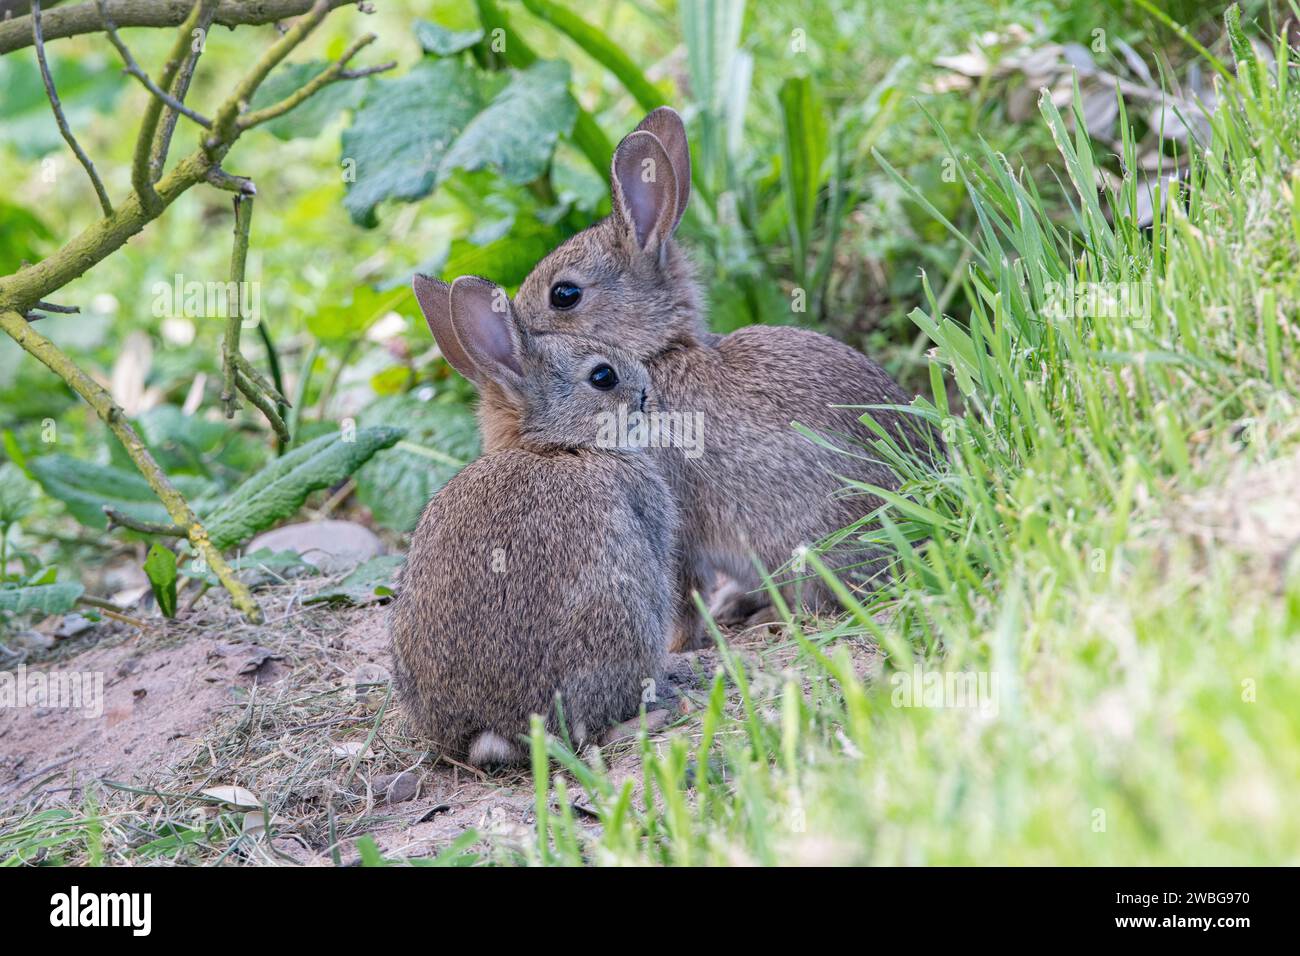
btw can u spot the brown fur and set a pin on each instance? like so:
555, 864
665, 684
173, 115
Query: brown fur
545, 568
760, 490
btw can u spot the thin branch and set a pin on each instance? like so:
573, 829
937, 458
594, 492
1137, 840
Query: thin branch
225, 128
332, 73
133, 68
236, 184
199, 21
120, 519
260, 380
61, 309
98, 398
264, 405
39, 40
76, 19
230, 341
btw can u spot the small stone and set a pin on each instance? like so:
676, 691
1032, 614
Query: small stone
655, 720
332, 546
404, 788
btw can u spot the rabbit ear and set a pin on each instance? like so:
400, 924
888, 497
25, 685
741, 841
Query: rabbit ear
480, 315
434, 297
666, 124
644, 189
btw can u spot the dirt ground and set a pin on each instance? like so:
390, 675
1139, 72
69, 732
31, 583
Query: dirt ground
211, 720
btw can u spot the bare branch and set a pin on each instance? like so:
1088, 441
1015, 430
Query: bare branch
225, 128
231, 183
199, 21
230, 341
133, 68
265, 405
98, 398
76, 19
39, 40
120, 519
60, 309
331, 74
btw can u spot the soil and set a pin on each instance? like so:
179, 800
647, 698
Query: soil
297, 712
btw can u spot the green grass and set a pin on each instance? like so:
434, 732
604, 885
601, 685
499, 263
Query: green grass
1147, 685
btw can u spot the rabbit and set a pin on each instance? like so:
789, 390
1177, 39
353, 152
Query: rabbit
759, 490
546, 568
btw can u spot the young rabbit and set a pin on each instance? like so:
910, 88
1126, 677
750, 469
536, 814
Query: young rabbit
545, 568
759, 489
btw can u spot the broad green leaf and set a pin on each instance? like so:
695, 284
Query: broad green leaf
44, 598
86, 488
517, 132
804, 140
413, 132
309, 117
16, 496
441, 438
160, 569
375, 580
279, 490
86, 85
23, 236
438, 40
403, 129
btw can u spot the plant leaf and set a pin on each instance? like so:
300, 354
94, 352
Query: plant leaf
441, 438
86, 488
375, 580
279, 490
45, 598
413, 132
440, 41
804, 139
160, 569
308, 118
402, 130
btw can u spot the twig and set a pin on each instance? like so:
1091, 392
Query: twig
102, 402
111, 611
236, 184
120, 519
200, 21
39, 40
259, 379
20, 291
332, 73
225, 127
230, 341
76, 19
59, 309
133, 68
263, 404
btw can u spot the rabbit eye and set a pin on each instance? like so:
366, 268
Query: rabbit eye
603, 377
565, 295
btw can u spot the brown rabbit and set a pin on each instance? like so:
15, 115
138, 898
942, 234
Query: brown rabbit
546, 567
759, 489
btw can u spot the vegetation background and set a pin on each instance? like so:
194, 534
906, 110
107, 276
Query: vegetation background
1116, 540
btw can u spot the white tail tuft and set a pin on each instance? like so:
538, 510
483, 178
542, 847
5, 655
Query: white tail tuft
490, 748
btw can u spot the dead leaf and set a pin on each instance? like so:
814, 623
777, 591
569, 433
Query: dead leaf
237, 797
